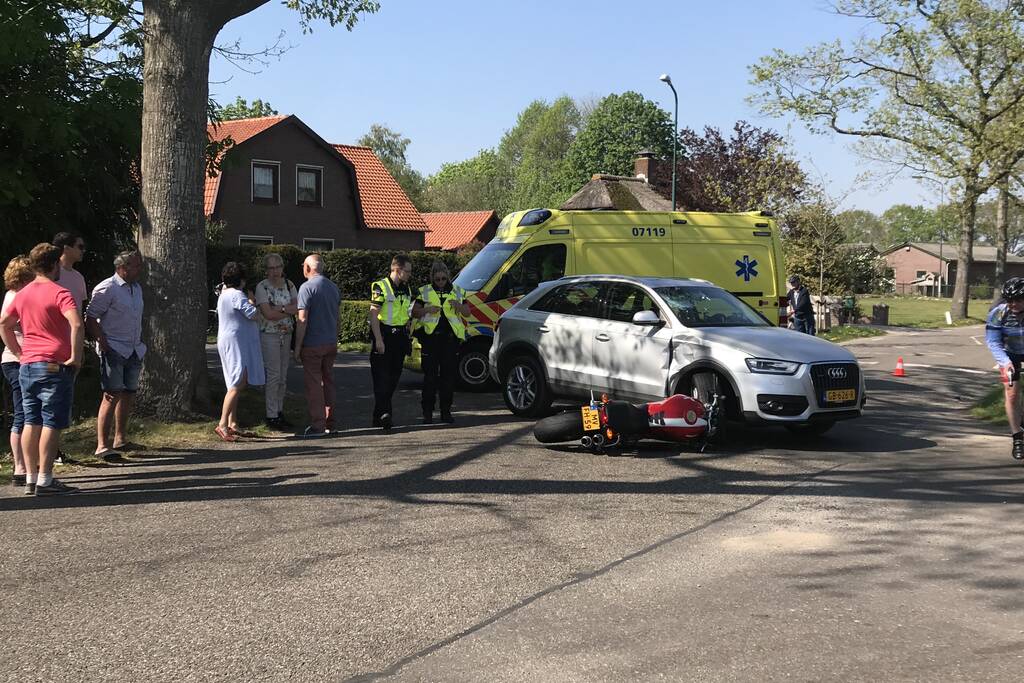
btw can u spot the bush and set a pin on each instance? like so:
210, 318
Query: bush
981, 291
353, 270
352, 322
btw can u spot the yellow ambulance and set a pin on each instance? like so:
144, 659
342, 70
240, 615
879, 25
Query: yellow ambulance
740, 252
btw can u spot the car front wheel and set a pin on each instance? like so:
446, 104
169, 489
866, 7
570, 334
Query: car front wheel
524, 387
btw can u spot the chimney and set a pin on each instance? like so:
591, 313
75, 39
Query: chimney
645, 165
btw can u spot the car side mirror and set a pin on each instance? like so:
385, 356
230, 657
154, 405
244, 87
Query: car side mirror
646, 318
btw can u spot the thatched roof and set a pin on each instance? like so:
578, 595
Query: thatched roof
616, 193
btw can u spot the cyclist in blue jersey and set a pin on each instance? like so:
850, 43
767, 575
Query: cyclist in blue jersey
1004, 333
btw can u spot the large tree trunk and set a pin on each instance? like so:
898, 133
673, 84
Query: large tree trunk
965, 253
178, 41
1002, 235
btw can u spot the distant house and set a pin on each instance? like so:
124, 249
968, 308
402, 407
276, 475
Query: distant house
918, 266
281, 183
452, 230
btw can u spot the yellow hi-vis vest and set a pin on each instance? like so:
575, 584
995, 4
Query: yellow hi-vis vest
429, 321
395, 309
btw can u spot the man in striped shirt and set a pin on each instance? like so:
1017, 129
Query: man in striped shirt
1004, 333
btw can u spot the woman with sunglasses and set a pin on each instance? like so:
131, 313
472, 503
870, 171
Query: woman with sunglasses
440, 308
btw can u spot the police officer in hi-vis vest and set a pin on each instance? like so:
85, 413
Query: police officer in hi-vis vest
440, 308
390, 316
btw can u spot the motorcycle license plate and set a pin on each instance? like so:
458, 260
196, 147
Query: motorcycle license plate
591, 419
841, 395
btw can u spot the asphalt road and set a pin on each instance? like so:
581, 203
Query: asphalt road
889, 549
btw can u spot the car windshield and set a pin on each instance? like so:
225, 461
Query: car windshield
484, 265
709, 307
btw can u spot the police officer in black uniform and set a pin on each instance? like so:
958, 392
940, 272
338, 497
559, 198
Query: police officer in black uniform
439, 309
391, 302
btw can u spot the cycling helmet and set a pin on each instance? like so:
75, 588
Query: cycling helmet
1013, 290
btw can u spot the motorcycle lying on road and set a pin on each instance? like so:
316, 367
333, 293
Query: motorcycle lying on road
608, 424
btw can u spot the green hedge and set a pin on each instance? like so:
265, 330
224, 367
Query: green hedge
353, 270
353, 325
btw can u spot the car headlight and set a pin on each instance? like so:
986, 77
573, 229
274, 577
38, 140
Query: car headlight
772, 367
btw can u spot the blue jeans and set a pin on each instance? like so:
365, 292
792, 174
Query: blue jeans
119, 374
11, 371
46, 392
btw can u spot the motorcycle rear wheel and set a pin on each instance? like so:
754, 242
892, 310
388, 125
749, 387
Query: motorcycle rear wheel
567, 426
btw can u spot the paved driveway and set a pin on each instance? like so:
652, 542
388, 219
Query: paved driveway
887, 550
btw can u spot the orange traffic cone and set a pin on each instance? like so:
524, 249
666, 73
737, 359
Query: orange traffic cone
899, 371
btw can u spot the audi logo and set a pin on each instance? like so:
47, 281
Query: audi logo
837, 373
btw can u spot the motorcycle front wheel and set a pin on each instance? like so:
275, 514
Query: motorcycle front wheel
567, 426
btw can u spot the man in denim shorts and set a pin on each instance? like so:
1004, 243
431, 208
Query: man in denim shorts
114, 319
50, 354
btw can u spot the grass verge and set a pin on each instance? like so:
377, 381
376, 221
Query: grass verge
991, 407
843, 333
923, 312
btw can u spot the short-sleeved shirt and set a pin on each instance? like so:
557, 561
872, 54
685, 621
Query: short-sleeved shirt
1004, 334
73, 281
320, 298
267, 293
117, 304
8, 355
40, 308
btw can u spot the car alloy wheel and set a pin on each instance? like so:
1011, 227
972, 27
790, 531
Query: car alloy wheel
521, 387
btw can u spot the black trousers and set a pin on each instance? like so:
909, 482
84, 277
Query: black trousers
386, 368
440, 361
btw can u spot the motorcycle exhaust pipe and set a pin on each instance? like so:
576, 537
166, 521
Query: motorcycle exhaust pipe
586, 442
599, 440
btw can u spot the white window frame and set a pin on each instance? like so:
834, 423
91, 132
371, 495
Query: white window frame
252, 190
312, 167
317, 239
265, 239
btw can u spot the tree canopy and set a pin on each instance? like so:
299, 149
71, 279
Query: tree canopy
931, 85
69, 126
241, 109
390, 146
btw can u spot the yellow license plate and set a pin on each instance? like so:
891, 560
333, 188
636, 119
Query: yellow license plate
591, 419
841, 395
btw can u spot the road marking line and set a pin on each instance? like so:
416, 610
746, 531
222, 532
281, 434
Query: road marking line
933, 367
975, 340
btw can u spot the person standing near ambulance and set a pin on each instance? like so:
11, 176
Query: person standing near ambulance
391, 304
440, 308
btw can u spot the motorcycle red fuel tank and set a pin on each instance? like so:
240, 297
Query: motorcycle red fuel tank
677, 418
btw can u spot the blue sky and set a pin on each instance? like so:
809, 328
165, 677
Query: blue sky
453, 75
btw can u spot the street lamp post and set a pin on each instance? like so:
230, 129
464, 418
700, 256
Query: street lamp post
675, 133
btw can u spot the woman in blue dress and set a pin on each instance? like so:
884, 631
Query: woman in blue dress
238, 343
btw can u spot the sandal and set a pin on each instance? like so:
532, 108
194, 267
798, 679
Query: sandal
225, 435
242, 432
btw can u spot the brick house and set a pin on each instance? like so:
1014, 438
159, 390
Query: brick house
917, 266
281, 183
452, 230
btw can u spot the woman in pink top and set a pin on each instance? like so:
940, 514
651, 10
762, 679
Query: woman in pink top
17, 275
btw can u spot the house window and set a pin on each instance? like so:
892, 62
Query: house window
309, 185
254, 240
265, 182
921, 274
310, 244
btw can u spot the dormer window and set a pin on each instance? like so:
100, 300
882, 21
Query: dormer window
309, 185
266, 182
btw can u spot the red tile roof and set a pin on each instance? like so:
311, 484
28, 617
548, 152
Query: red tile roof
455, 229
385, 204
239, 130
